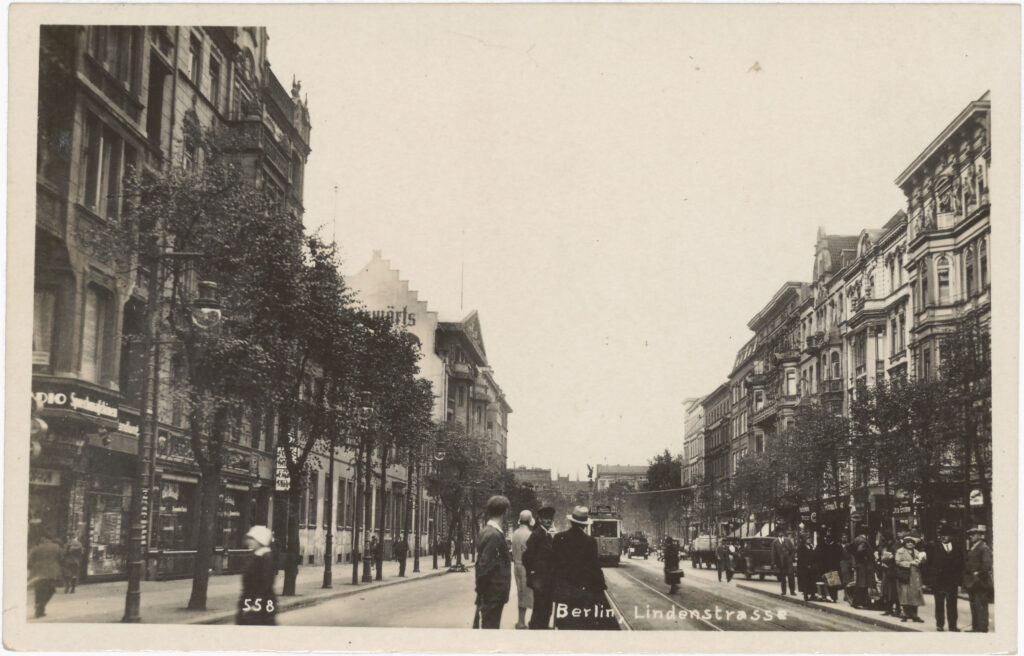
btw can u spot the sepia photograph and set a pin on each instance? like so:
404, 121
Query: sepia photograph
367, 320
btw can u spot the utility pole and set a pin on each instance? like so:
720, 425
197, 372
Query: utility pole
140, 494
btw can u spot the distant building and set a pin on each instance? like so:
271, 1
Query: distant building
537, 477
605, 475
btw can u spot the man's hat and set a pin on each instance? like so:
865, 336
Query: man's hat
546, 512
911, 538
980, 528
526, 517
580, 515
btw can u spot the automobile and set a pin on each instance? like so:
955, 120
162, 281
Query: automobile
756, 558
638, 547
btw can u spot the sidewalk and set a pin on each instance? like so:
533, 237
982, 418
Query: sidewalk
770, 587
164, 602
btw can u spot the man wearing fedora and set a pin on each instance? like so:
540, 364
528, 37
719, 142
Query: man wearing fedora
493, 567
540, 572
579, 581
978, 579
945, 569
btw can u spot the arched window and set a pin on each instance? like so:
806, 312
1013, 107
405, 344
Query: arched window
791, 382
835, 365
942, 276
969, 270
824, 365
983, 262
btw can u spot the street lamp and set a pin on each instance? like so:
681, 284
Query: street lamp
205, 314
366, 413
439, 456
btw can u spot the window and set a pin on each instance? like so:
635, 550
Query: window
759, 443
42, 325
892, 342
104, 154
95, 333
255, 427
790, 382
983, 262
350, 502
268, 431
942, 275
758, 400
926, 363
461, 393
195, 52
328, 511
969, 270
118, 50
189, 154
158, 75
340, 503
214, 81
835, 365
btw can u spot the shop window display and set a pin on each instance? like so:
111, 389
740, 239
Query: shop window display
176, 519
108, 502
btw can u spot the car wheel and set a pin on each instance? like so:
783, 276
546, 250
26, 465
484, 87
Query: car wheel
749, 575
760, 577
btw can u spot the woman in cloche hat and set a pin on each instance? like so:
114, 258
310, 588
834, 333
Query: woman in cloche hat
258, 602
909, 559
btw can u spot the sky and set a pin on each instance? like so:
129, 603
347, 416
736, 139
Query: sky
616, 189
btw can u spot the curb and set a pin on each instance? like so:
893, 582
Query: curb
295, 604
829, 609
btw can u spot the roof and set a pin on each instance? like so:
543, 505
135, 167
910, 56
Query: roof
468, 331
784, 293
897, 219
745, 353
836, 244
621, 469
983, 104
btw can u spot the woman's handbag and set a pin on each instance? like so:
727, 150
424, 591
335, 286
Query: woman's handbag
672, 576
832, 579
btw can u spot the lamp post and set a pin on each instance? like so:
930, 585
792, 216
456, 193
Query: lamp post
331, 515
417, 527
205, 314
366, 411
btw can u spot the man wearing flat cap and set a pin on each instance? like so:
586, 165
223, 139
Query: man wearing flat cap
579, 582
539, 563
493, 567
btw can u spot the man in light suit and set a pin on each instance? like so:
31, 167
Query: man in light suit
493, 567
978, 579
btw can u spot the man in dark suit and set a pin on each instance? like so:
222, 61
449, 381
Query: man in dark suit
493, 567
45, 571
401, 553
946, 569
579, 581
539, 563
783, 551
978, 579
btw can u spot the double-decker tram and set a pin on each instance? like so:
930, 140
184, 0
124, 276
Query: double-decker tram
606, 529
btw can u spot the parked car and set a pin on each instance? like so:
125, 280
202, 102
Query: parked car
756, 558
638, 547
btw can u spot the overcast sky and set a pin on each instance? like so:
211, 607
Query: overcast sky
626, 186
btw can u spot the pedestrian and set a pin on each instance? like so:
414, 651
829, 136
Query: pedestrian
72, 562
378, 557
493, 567
724, 559
846, 568
945, 571
579, 601
887, 566
807, 568
519, 539
863, 570
672, 572
257, 605
373, 553
783, 551
830, 555
401, 553
539, 563
45, 571
909, 559
978, 580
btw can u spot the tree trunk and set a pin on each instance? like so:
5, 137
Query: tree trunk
383, 509
356, 550
292, 557
408, 502
367, 512
205, 544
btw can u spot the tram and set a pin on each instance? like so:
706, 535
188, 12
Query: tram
606, 529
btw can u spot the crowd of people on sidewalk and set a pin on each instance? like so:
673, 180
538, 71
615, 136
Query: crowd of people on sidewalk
892, 575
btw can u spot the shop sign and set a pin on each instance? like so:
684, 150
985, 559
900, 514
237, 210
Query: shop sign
976, 498
830, 505
282, 479
902, 510
48, 477
87, 403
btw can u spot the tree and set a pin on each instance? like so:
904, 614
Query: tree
521, 496
815, 452
664, 473
211, 224
757, 483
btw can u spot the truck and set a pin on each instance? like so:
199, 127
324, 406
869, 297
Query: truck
702, 551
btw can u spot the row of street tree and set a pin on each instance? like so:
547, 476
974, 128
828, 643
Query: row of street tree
263, 334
